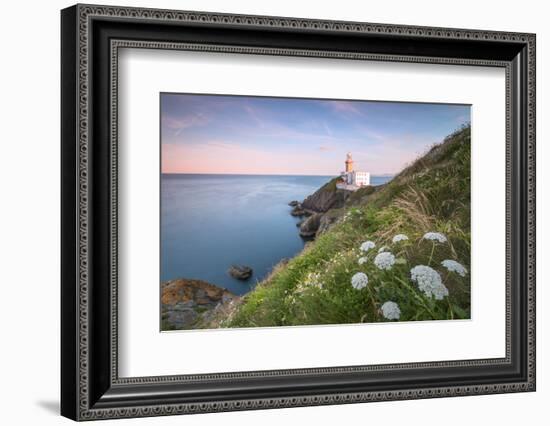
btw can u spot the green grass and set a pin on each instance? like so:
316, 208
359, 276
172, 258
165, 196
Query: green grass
432, 194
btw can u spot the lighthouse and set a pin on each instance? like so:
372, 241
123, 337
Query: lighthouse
352, 180
349, 163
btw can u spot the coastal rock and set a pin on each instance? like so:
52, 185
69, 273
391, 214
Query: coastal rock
327, 220
309, 227
193, 291
240, 272
181, 319
184, 306
186, 301
326, 206
298, 211
325, 198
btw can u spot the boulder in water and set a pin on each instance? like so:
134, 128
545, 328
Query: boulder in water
240, 272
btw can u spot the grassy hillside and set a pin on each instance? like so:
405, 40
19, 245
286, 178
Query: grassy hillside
327, 282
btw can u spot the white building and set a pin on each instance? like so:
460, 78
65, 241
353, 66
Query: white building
352, 180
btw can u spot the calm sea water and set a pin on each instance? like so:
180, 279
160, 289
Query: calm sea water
209, 222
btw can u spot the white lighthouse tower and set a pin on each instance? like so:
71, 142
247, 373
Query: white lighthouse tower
352, 180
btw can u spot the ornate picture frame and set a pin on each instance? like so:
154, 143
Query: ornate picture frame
91, 37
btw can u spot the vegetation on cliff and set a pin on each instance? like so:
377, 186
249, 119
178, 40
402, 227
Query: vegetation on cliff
401, 252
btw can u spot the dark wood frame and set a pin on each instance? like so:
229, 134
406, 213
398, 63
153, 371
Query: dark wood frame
91, 37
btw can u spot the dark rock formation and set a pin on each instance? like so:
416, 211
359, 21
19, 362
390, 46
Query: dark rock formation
312, 208
309, 227
327, 220
240, 272
298, 211
186, 301
326, 206
325, 198
179, 317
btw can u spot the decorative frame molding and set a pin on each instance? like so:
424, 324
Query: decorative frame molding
91, 37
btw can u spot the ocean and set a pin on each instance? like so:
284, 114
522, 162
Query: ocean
209, 222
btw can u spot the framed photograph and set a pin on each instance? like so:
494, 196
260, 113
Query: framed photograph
263, 212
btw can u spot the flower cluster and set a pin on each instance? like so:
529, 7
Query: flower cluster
367, 245
384, 260
311, 281
429, 282
399, 237
454, 266
359, 281
435, 236
390, 310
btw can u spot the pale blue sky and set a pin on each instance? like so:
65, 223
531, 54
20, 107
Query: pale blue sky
260, 135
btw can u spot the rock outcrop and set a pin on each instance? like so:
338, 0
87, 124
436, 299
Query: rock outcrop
325, 206
298, 211
325, 198
309, 227
314, 207
186, 301
327, 220
240, 272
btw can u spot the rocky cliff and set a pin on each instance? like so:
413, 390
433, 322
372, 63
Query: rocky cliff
322, 207
325, 198
188, 302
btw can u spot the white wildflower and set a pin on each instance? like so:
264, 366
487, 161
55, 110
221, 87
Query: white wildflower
384, 260
399, 237
383, 248
300, 288
440, 292
454, 266
429, 281
311, 280
435, 236
367, 245
362, 260
359, 280
390, 310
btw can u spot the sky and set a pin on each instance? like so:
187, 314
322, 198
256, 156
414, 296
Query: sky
287, 136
